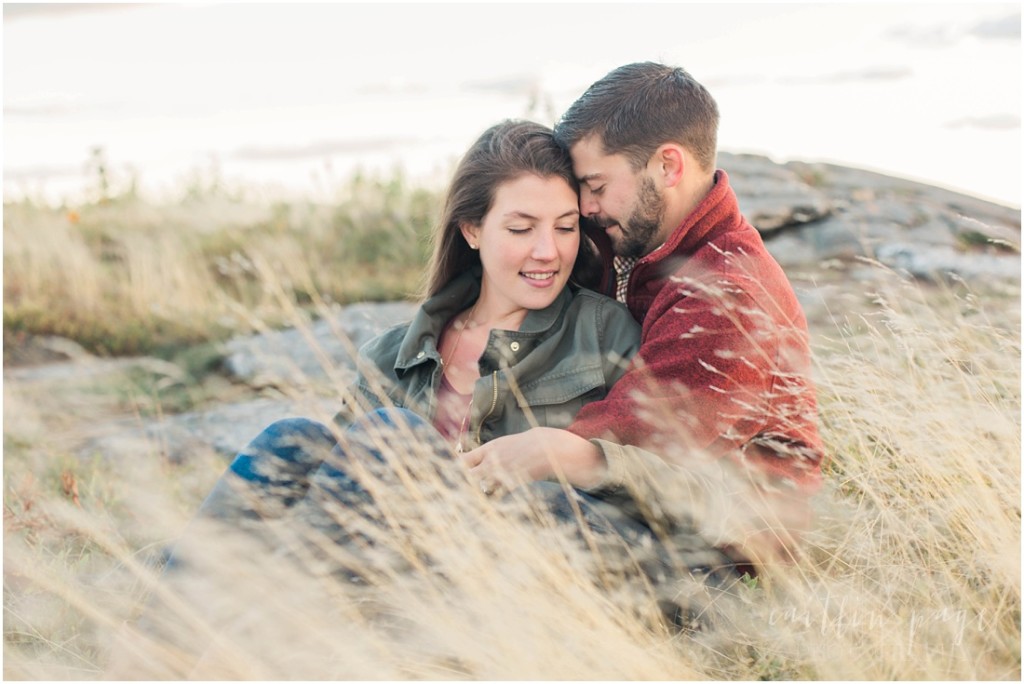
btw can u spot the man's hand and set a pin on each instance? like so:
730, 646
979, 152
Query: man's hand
541, 453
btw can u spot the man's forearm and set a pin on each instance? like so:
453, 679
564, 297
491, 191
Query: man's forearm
582, 462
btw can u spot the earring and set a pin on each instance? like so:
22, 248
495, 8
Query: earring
474, 246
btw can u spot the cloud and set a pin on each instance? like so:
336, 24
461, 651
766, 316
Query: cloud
21, 10
55, 104
392, 88
1005, 28
992, 122
735, 80
928, 37
871, 74
324, 148
38, 110
514, 85
937, 36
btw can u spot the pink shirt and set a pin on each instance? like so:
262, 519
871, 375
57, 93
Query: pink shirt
452, 415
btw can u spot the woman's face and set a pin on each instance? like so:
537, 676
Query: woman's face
528, 243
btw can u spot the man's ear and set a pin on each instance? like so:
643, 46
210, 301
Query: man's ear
471, 233
669, 162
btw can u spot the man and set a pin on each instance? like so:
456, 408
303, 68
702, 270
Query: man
713, 428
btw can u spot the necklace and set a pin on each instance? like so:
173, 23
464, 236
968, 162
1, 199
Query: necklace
459, 448
458, 338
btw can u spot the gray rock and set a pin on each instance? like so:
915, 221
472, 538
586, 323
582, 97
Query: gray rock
921, 229
938, 262
936, 232
771, 196
791, 250
322, 353
885, 193
972, 231
87, 366
223, 429
840, 236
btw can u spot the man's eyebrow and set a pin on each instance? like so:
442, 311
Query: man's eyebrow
590, 176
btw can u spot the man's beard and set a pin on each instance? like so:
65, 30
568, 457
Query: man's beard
639, 234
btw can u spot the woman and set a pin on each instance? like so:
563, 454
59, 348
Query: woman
505, 339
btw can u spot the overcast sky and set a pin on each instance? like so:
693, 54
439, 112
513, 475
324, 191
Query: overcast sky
276, 93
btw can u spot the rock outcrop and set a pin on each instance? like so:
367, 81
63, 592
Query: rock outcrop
839, 214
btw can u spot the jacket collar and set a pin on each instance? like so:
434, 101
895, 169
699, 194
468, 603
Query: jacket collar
421, 340
720, 203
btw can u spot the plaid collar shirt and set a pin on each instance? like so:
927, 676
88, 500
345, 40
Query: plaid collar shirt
623, 268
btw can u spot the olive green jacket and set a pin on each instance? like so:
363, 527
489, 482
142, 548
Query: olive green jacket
561, 358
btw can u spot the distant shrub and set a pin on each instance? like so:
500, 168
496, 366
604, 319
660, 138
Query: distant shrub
133, 277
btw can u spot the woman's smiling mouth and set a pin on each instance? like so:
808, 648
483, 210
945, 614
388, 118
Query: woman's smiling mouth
539, 277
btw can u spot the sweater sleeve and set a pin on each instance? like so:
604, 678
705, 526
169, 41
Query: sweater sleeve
699, 374
708, 379
734, 508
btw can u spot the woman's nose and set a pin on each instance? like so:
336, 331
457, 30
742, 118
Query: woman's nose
544, 248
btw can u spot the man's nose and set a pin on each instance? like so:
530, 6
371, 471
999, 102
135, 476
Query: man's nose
588, 204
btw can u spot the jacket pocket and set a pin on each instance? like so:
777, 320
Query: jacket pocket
555, 399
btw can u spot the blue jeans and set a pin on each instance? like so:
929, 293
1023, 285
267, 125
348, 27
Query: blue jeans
295, 463
296, 459
299, 468
278, 468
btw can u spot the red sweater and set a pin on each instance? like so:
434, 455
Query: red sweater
724, 362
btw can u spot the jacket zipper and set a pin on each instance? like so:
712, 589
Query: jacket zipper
494, 405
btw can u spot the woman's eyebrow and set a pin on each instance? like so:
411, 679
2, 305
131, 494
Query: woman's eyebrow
524, 215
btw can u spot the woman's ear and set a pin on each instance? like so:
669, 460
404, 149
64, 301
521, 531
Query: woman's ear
471, 233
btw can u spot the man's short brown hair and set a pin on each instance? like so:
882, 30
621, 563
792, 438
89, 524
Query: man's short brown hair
638, 107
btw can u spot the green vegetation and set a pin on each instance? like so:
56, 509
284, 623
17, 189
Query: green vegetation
124, 277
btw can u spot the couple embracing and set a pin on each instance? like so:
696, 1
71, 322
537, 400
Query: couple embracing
602, 328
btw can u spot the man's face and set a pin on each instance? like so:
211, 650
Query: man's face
624, 202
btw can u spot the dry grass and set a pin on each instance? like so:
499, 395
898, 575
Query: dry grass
125, 276
912, 572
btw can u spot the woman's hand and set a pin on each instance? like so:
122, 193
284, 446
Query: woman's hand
541, 453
